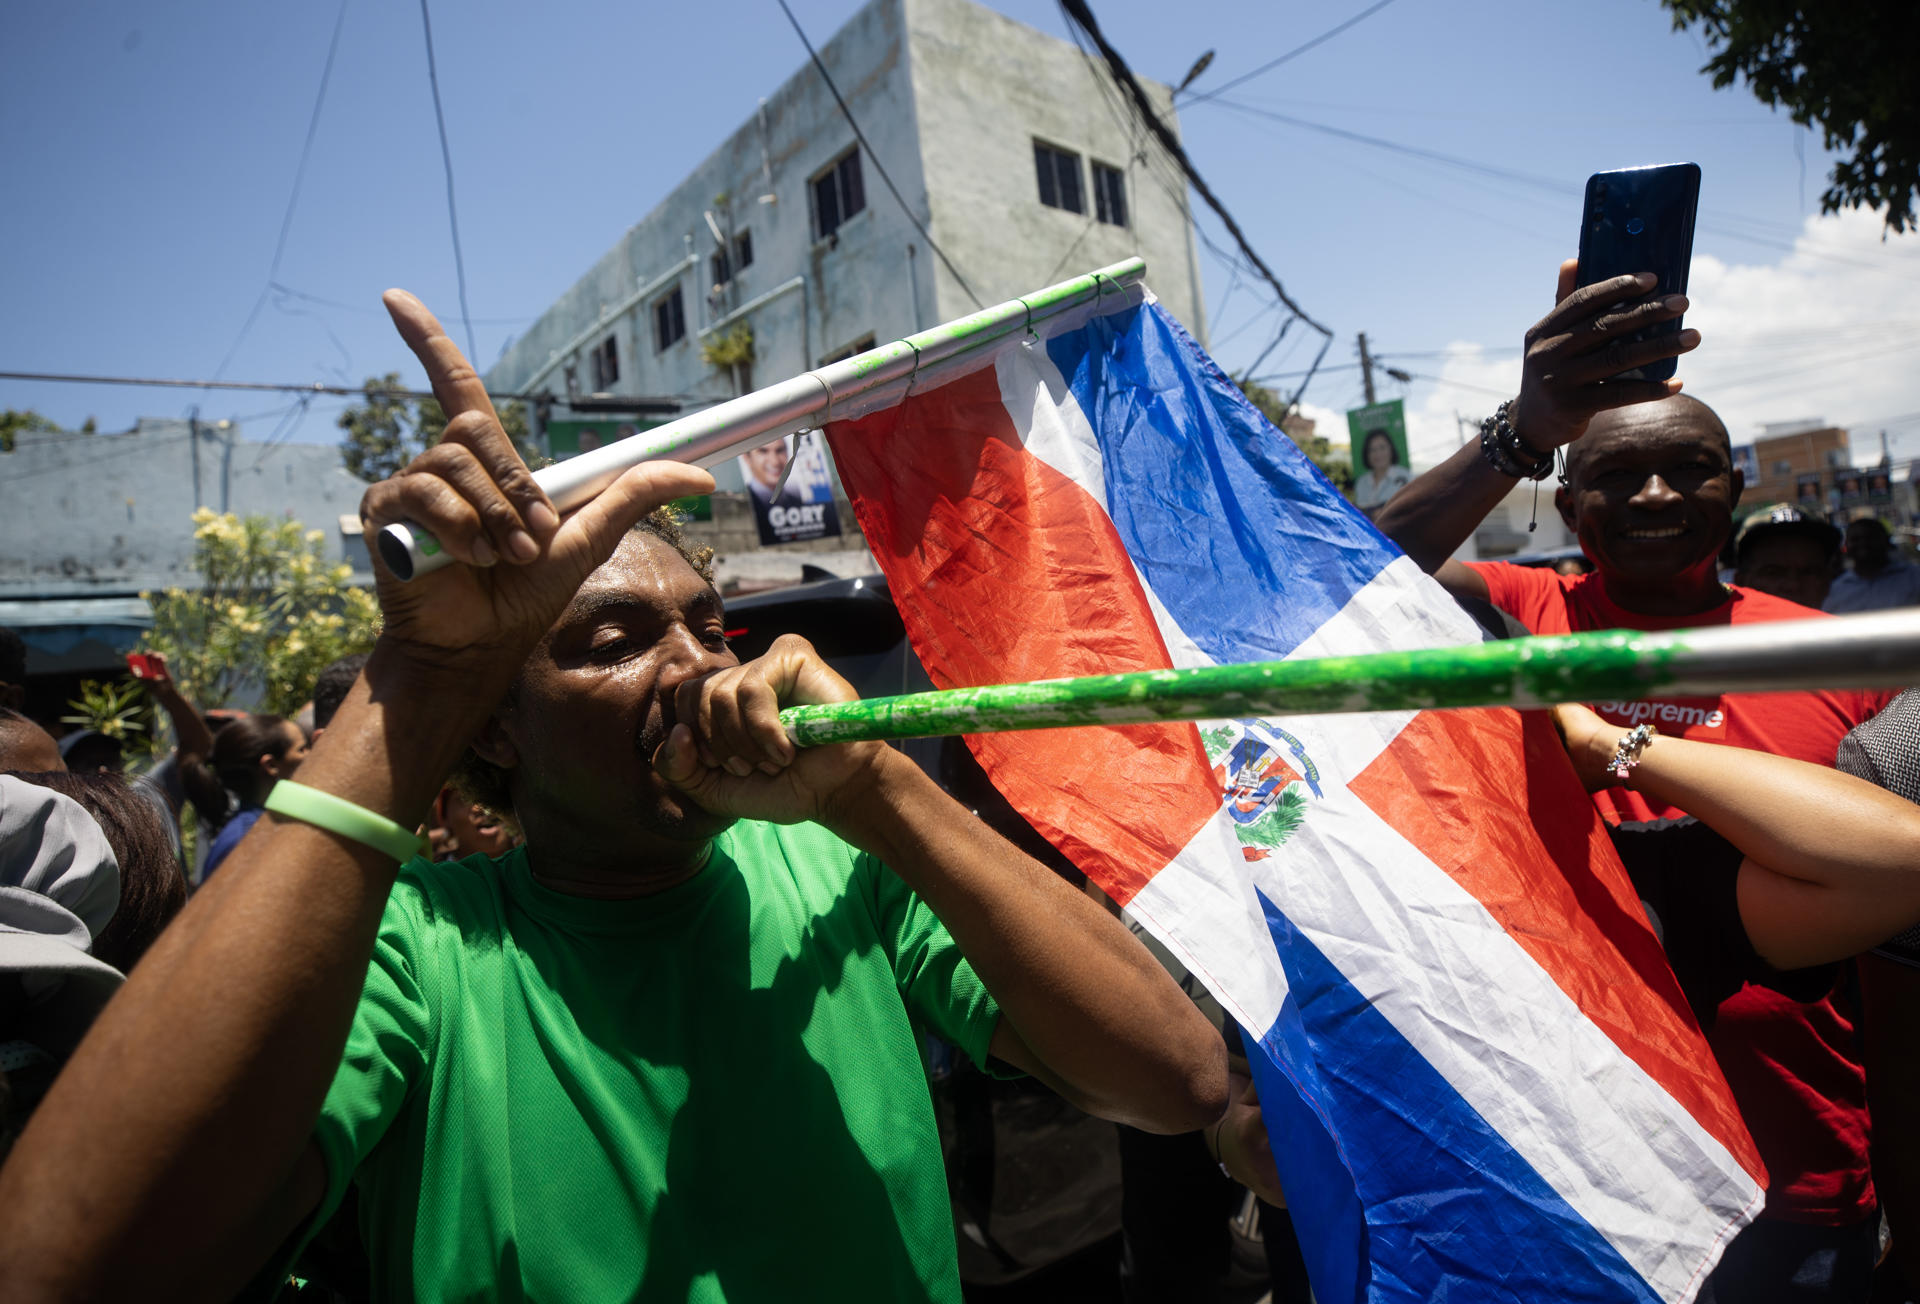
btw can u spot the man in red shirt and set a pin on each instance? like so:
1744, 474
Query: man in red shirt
1649, 488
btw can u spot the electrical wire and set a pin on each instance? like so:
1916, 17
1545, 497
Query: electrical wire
446, 159
1294, 53
315, 387
1081, 15
878, 166
1729, 225
292, 293
293, 199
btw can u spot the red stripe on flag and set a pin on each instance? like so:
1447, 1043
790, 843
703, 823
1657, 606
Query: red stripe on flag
968, 526
1499, 808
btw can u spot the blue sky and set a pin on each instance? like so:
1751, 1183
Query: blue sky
150, 151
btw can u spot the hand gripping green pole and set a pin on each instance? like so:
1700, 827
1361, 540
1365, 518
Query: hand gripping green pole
1879, 650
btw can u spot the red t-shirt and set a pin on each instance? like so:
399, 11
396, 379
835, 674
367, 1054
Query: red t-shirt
1793, 1067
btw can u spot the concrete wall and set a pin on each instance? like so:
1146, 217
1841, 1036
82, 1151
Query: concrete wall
951, 96
856, 283
111, 514
987, 88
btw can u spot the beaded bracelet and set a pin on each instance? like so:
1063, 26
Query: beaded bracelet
1627, 754
1507, 453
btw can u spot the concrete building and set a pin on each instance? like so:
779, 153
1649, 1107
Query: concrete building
1007, 145
1793, 460
92, 521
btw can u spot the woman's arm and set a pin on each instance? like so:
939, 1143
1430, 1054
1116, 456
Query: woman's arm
1832, 862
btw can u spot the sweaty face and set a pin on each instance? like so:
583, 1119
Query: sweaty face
1651, 491
1796, 569
594, 702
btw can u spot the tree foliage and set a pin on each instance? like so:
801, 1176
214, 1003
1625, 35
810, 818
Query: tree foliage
389, 429
15, 423
1318, 450
1840, 66
272, 612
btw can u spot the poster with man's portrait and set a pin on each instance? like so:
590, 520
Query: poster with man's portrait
804, 507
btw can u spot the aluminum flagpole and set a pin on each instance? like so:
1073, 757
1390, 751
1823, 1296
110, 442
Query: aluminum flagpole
710, 437
1876, 650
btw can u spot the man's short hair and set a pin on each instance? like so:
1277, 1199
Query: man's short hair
1873, 523
486, 784
333, 685
13, 657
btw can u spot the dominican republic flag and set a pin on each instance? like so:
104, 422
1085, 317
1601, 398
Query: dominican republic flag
1480, 1077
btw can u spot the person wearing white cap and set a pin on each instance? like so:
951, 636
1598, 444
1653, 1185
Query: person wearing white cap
59, 887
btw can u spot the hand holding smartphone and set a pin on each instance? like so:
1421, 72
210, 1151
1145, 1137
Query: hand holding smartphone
1641, 220
148, 666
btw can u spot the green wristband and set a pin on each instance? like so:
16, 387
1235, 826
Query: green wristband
323, 810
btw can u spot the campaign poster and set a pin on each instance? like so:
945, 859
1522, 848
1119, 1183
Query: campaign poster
1746, 460
1880, 485
1851, 486
804, 508
1807, 489
571, 438
1381, 467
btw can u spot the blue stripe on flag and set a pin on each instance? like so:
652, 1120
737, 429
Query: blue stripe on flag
1478, 1224
1232, 527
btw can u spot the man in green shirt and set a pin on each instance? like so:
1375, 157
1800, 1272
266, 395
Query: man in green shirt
669, 1049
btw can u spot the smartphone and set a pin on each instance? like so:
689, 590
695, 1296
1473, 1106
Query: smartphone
147, 665
1641, 220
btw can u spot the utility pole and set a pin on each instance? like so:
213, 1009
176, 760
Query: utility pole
1366, 368
193, 442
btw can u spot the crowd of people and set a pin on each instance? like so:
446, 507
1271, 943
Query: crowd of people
546, 967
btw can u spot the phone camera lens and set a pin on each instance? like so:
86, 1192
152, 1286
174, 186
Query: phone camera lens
1635, 226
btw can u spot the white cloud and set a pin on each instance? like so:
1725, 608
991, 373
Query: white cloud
1831, 330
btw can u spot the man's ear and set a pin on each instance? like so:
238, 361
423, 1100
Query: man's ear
1563, 503
493, 746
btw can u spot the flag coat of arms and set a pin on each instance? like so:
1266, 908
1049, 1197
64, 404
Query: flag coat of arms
1479, 1074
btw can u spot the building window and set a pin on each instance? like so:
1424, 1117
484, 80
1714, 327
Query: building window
860, 345
722, 268
669, 321
1059, 178
606, 365
1783, 468
743, 251
838, 193
1109, 194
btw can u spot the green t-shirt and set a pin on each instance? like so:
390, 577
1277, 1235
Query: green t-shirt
714, 1093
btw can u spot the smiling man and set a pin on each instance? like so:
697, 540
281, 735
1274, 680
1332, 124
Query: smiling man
667, 1050
1649, 490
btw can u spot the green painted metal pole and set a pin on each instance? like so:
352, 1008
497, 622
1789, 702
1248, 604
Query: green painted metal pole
1880, 650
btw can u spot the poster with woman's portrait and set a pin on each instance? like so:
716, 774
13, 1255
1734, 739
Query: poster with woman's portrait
1381, 467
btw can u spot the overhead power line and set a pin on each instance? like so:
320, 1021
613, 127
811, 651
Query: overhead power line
446, 159
878, 166
1294, 53
169, 383
293, 198
1077, 10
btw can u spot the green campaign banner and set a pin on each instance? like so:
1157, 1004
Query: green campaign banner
1381, 467
573, 437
